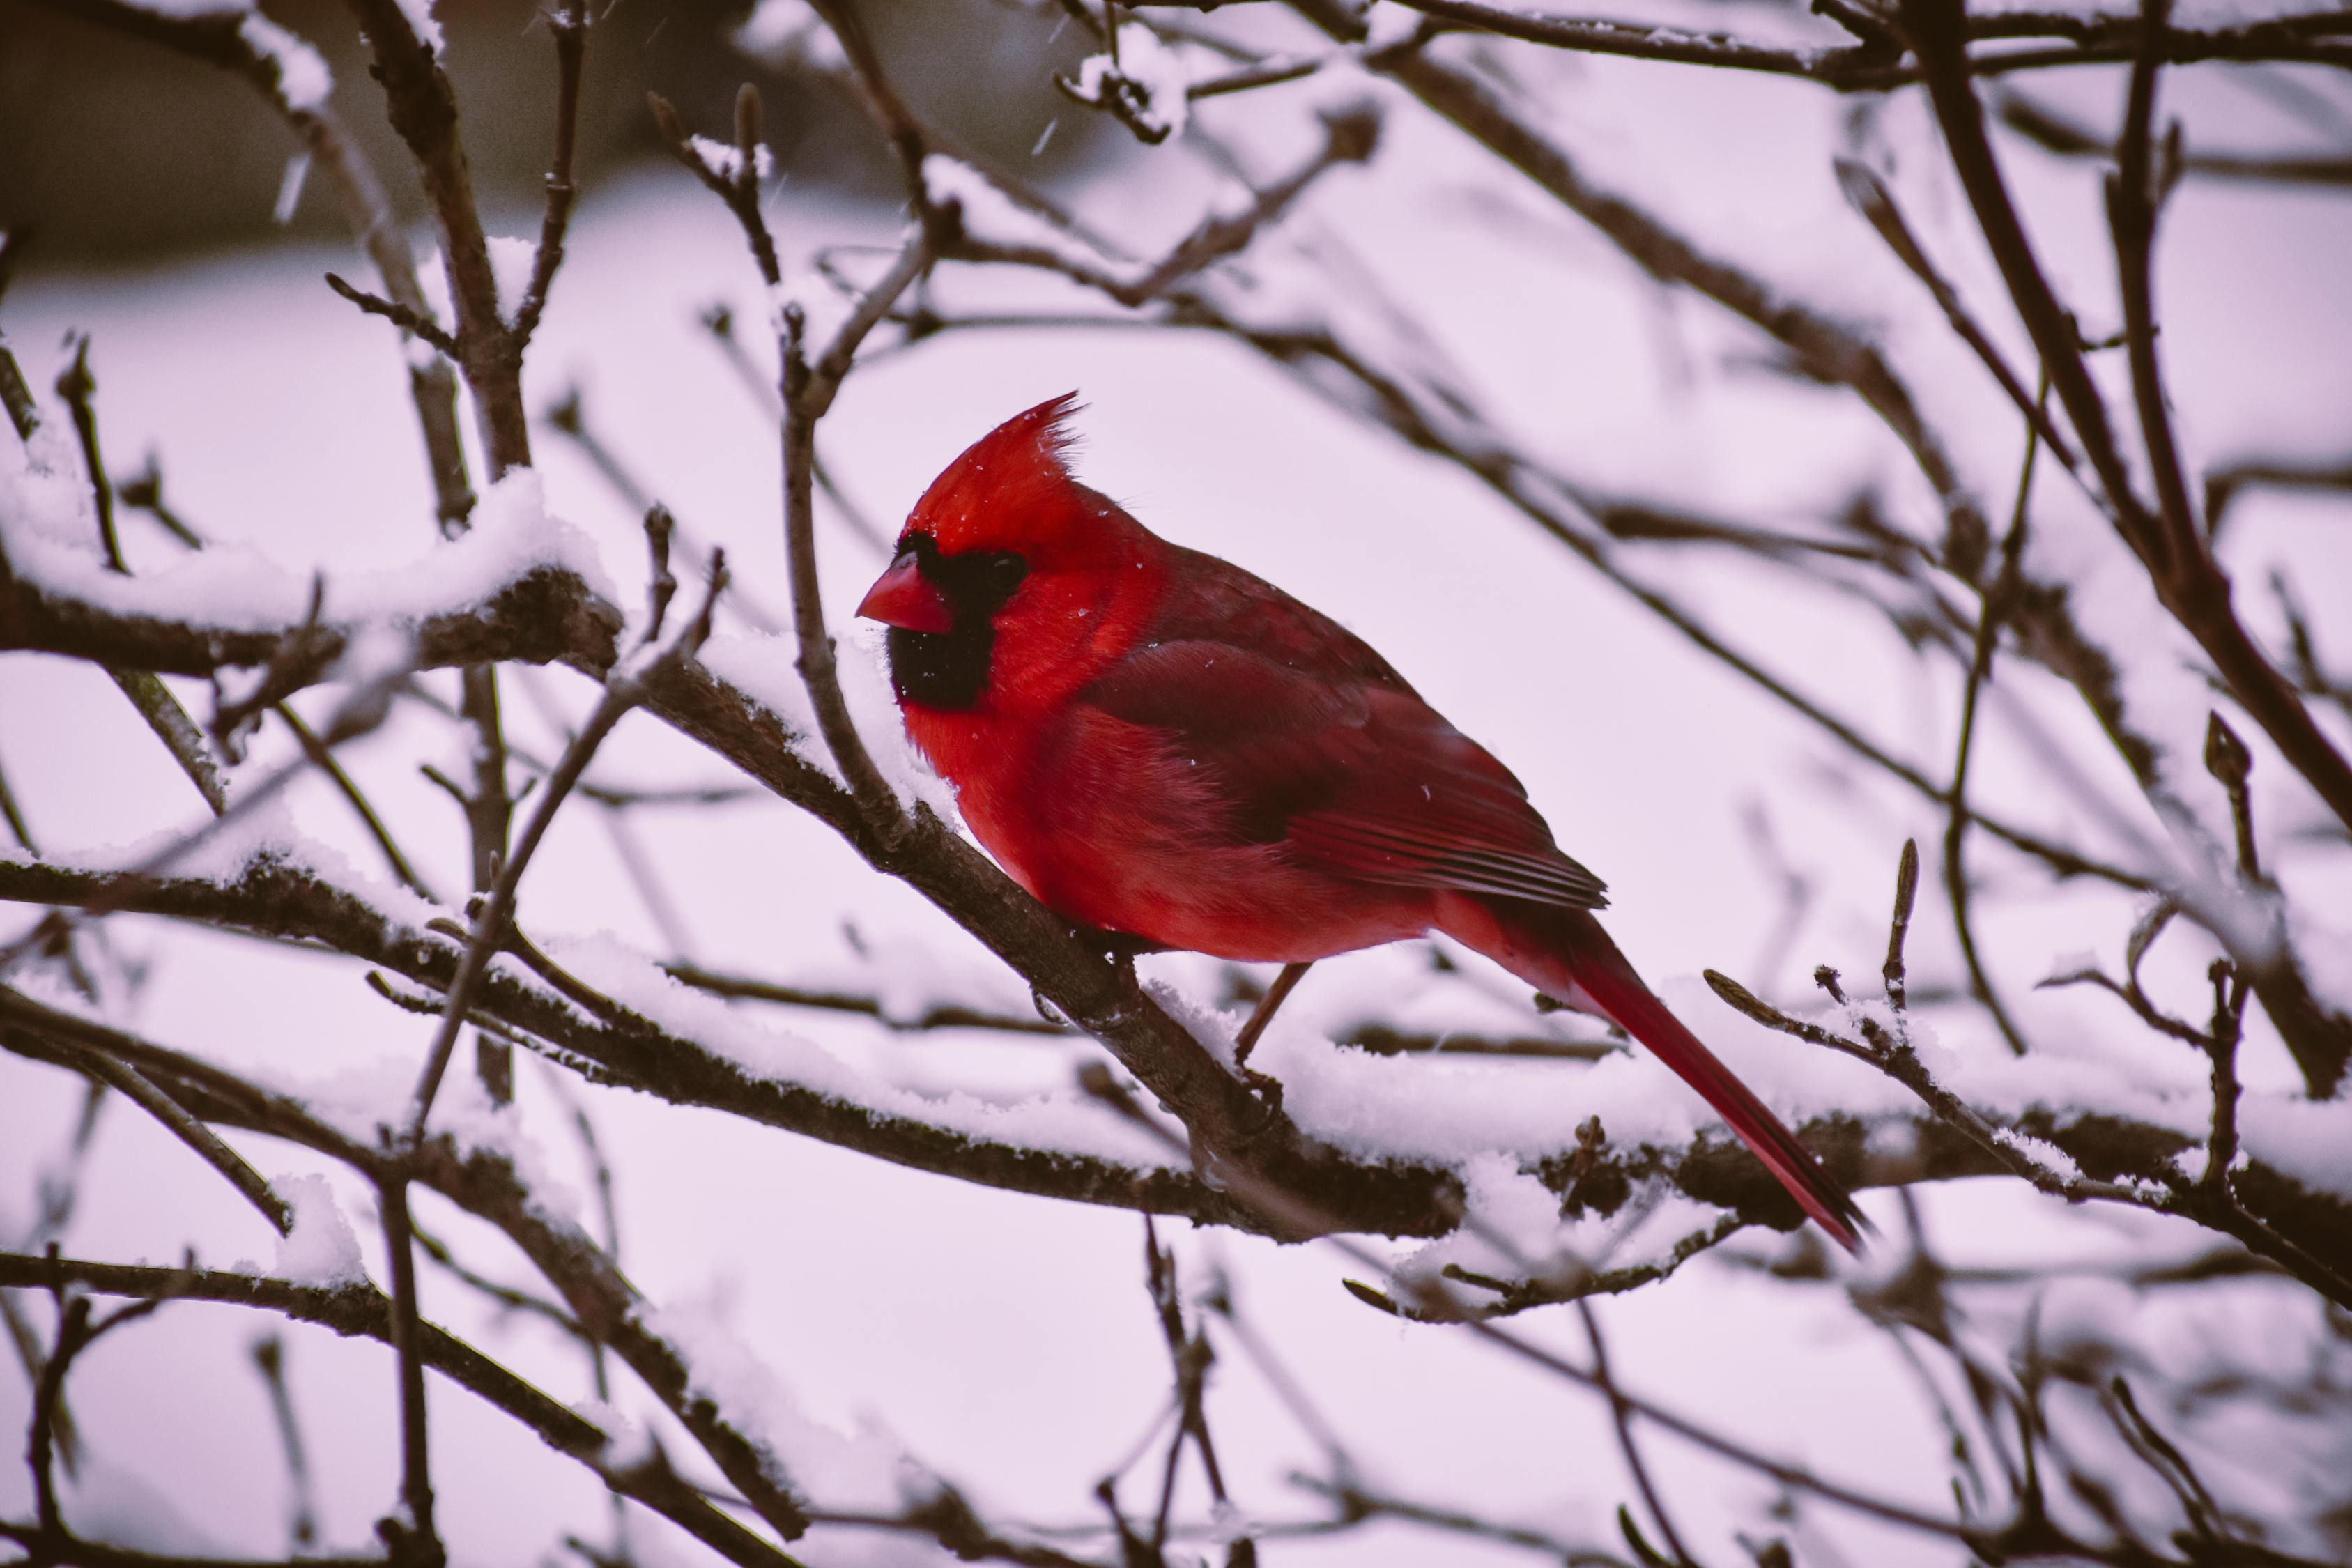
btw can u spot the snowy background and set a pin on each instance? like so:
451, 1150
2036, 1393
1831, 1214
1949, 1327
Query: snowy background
1006, 1342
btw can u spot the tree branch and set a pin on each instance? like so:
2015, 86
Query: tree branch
358, 1310
2187, 579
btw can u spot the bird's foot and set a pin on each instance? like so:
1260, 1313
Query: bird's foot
1267, 1087
1118, 947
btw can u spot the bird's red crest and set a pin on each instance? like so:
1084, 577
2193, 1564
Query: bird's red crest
1011, 488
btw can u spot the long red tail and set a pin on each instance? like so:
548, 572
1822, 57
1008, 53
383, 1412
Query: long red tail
1565, 953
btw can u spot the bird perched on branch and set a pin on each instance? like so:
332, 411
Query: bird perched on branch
1157, 744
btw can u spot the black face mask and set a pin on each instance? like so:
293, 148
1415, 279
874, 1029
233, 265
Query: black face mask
949, 669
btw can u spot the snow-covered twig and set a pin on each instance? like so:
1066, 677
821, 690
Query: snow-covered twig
1298, 1215
2154, 1185
357, 1310
805, 392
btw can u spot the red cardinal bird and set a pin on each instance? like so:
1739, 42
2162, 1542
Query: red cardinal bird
1156, 743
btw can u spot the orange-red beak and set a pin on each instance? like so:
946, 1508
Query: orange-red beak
903, 597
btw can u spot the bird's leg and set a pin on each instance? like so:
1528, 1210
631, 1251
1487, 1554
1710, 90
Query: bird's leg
1268, 1004
1122, 948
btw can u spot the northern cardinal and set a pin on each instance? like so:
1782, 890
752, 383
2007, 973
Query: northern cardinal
1155, 742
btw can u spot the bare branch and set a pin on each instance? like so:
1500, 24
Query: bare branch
568, 24
262, 56
2051, 131
1869, 195
1998, 598
77, 385
805, 392
1877, 64
2181, 566
68, 1036
360, 1311
624, 688
270, 1360
408, 318
411, 1537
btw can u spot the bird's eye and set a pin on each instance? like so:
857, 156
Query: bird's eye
1005, 570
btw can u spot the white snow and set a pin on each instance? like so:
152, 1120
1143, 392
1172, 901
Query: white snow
765, 671
2326, 950
290, 188
629, 1443
114, 1503
1147, 69
465, 1113
510, 265
51, 538
762, 667
725, 159
993, 217
2045, 1155
304, 82
322, 1249
784, 33
860, 1472
422, 21
1511, 1221
432, 278
1066, 1122
2308, 1139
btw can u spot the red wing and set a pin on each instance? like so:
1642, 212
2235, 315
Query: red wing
1213, 600
1354, 775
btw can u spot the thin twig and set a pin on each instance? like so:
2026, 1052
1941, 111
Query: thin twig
942, 1016
2135, 201
2057, 134
568, 24
624, 688
75, 385
409, 319
147, 693
1993, 608
1874, 65
2180, 567
14, 818
1906, 891
324, 760
2222, 1045
181, 738
1301, 1215
362, 1311
1621, 1416
1869, 195
411, 1539
805, 392
269, 1353
2229, 760
569, 416
84, 1050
